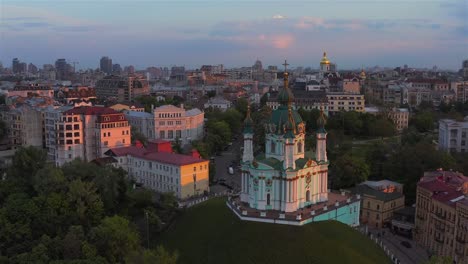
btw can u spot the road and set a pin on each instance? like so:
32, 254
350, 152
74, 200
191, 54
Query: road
414, 255
222, 163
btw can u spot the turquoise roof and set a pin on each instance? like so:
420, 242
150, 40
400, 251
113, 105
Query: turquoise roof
280, 118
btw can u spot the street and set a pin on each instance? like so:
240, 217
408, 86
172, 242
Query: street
413, 255
222, 163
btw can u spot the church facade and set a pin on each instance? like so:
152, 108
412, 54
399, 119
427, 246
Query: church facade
287, 181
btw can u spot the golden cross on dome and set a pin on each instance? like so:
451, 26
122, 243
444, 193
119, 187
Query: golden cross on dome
285, 65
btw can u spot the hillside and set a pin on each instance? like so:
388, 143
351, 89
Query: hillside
211, 233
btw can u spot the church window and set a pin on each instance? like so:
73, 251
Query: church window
299, 147
308, 196
268, 199
272, 147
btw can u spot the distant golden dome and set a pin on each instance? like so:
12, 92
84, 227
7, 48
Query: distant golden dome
324, 59
362, 74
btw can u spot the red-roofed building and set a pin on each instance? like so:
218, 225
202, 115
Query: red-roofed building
441, 223
158, 168
88, 132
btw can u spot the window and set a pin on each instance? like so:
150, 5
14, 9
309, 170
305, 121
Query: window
178, 133
106, 143
170, 134
299, 147
194, 168
272, 147
378, 207
268, 199
368, 204
108, 134
104, 135
162, 134
123, 140
307, 196
77, 141
377, 216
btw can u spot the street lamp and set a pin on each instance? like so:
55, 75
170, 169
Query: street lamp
147, 229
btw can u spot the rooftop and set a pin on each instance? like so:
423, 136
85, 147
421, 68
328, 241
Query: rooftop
379, 195
163, 157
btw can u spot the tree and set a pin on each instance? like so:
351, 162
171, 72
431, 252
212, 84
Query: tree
115, 238
72, 242
348, 171
177, 146
3, 130
423, 121
159, 256
241, 105
86, 202
26, 162
49, 179
382, 127
440, 260
138, 136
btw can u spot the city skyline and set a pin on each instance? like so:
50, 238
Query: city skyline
363, 33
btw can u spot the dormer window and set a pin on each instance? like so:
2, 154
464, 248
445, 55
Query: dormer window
273, 147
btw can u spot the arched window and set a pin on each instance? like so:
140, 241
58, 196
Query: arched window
308, 196
299, 147
268, 199
273, 147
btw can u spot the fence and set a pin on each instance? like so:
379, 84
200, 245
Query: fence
380, 243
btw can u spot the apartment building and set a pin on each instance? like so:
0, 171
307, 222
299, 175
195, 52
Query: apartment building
345, 102
379, 200
85, 132
27, 90
169, 122
25, 126
400, 117
441, 223
461, 91
157, 168
453, 135
122, 88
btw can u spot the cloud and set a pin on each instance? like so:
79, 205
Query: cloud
282, 41
279, 17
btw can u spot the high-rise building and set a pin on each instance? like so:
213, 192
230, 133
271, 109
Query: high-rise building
129, 69
62, 69
106, 65
15, 65
116, 69
32, 68
465, 70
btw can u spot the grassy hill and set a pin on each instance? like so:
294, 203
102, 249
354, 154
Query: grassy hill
211, 233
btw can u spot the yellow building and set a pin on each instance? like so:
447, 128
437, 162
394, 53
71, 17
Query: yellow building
338, 102
156, 167
379, 199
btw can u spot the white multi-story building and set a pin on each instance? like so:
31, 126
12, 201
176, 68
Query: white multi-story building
453, 135
218, 103
157, 168
169, 122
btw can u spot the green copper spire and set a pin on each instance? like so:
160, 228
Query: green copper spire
321, 122
248, 122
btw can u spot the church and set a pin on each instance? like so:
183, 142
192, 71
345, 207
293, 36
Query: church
287, 184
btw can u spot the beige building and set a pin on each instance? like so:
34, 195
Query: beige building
86, 133
400, 117
169, 122
441, 223
28, 90
345, 102
461, 91
379, 199
157, 168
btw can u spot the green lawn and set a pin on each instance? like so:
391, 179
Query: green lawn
211, 233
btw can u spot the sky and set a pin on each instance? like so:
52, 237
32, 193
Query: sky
355, 34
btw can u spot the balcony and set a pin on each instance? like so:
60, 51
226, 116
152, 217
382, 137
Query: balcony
439, 239
440, 215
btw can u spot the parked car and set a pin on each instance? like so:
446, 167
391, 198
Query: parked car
406, 244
